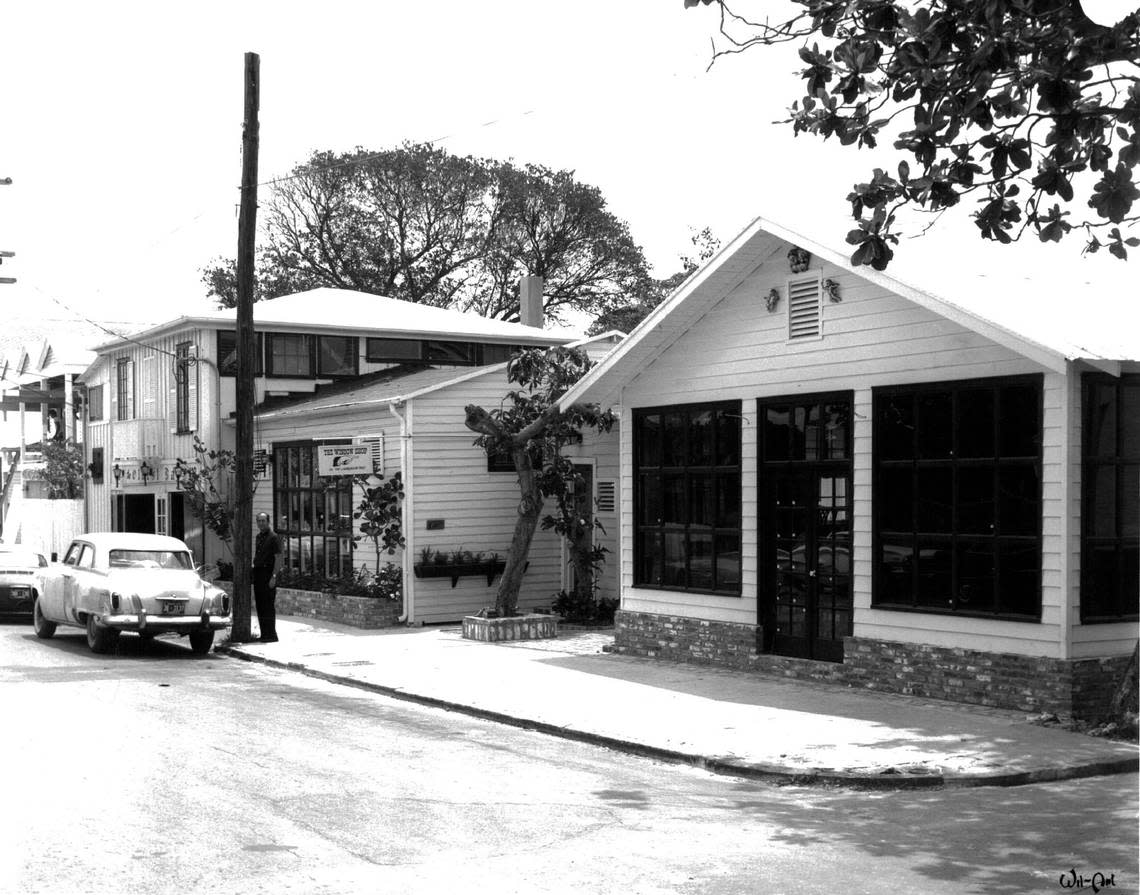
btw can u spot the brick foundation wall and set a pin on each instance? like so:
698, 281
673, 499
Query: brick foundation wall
681, 639
359, 612
1082, 688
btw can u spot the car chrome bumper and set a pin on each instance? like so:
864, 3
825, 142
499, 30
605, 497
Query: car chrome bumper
164, 624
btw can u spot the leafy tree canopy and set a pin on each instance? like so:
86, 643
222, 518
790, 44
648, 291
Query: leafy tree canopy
1027, 105
419, 224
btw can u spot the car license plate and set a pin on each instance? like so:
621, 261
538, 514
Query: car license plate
171, 607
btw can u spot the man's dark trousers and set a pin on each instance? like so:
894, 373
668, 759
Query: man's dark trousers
265, 597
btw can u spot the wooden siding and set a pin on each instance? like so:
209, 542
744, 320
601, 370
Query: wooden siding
872, 337
345, 424
451, 482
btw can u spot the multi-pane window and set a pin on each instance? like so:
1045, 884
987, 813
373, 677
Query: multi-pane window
290, 354
957, 497
95, 403
313, 513
394, 351
182, 386
459, 353
1110, 472
125, 389
432, 351
227, 353
687, 474
337, 356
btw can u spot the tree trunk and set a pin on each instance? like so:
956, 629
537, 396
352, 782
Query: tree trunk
530, 506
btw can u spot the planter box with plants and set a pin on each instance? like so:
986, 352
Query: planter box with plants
369, 600
457, 564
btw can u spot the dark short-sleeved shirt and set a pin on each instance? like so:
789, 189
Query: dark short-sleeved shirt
266, 550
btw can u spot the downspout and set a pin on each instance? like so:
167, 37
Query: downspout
407, 578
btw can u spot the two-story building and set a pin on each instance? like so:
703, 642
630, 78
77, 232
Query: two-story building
151, 393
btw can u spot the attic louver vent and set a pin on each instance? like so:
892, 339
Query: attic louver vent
804, 306
376, 443
607, 497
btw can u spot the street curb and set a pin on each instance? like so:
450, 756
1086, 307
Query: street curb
779, 775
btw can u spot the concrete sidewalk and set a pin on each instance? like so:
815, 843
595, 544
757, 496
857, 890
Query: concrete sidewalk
747, 724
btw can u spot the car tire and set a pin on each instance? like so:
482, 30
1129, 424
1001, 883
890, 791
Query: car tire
44, 628
100, 639
201, 641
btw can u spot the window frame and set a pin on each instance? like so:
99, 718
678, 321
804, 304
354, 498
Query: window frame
311, 342
258, 356
95, 403
715, 471
182, 388
354, 355
1091, 464
124, 390
379, 357
282, 492
956, 540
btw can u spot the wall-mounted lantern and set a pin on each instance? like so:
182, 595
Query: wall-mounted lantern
146, 471
117, 472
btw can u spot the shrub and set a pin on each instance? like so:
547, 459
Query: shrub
385, 584
584, 608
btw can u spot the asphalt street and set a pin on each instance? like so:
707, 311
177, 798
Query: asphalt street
151, 770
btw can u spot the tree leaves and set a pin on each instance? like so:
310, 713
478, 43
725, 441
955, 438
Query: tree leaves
1005, 97
419, 224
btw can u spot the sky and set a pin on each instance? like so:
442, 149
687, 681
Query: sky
120, 126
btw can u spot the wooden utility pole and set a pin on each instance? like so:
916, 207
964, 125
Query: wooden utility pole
243, 449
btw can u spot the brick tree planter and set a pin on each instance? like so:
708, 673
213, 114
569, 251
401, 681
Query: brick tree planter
357, 612
519, 627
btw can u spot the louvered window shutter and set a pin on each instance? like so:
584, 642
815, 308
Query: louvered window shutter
192, 390
805, 306
130, 390
377, 444
172, 375
148, 385
607, 496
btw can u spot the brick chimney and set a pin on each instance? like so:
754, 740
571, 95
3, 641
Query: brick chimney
530, 301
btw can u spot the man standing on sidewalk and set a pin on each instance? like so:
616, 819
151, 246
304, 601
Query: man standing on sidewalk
265, 552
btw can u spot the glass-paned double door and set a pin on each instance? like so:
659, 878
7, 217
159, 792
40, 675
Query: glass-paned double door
805, 600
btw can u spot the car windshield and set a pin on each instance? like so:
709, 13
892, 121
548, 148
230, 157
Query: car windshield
22, 558
150, 559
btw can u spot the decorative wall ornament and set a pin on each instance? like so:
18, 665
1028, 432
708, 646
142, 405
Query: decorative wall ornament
831, 287
772, 299
798, 259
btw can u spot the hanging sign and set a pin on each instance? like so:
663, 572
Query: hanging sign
344, 459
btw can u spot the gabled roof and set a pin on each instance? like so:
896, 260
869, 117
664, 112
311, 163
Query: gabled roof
344, 310
397, 386
1047, 320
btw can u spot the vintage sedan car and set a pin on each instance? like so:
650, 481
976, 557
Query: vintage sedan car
110, 582
20, 582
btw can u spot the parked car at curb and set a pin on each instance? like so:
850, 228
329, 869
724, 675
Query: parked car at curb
110, 582
20, 579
